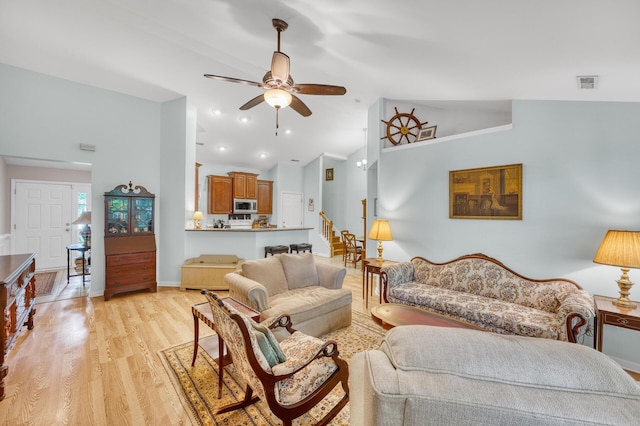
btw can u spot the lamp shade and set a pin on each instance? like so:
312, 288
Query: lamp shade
380, 230
620, 248
197, 215
83, 219
277, 98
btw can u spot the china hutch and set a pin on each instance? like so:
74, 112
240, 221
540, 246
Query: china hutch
129, 240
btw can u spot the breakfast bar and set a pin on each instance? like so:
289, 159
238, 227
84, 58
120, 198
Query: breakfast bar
248, 244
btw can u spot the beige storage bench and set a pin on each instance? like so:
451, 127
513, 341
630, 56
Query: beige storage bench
208, 271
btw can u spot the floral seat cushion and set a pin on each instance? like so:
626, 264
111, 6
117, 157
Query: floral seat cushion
494, 315
298, 349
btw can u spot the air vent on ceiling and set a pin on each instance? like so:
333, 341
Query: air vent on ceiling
200, 143
587, 81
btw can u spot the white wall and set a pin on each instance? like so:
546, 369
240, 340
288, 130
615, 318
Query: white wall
580, 179
47, 118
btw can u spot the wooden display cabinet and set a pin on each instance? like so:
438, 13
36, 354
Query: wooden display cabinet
265, 197
245, 185
129, 243
220, 195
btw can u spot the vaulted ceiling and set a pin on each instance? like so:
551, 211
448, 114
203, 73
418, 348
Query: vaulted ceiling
417, 50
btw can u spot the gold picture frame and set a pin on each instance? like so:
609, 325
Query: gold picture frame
426, 133
486, 193
328, 174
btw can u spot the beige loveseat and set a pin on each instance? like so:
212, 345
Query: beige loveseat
311, 293
481, 290
424, 375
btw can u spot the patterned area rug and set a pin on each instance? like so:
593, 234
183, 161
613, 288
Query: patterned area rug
198, 385
45, 282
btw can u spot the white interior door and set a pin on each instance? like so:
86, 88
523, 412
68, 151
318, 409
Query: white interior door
41, 217
291, 209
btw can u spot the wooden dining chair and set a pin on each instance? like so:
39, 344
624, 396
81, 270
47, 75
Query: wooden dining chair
353, 250
344, 247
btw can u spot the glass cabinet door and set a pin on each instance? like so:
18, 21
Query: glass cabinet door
117, 215
142, 215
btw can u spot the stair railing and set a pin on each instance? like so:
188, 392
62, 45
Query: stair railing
327, 230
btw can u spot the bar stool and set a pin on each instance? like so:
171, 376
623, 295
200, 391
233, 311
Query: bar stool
300, 247
275, 250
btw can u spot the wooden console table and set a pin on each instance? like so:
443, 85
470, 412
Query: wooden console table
17, 300
610, 314
202, 312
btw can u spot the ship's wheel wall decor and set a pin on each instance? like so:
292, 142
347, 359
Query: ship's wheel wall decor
403, 126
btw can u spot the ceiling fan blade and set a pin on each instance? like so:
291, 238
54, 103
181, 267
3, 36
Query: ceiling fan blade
280, 66
298, 106
233, 80
319, 89
253, 102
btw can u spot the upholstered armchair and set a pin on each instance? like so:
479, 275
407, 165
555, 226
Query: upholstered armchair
291, 376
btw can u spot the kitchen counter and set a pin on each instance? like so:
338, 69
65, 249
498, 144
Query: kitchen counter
246, 243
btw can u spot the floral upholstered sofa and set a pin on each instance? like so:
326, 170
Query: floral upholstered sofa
481, 290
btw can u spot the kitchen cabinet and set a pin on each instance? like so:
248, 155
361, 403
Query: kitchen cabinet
220, 194
129, 240
265, 197
245, 185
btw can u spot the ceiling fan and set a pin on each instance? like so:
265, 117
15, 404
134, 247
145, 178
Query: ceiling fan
280, 90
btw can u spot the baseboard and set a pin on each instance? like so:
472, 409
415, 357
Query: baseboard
627, 365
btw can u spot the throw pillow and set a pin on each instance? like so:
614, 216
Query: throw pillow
268, 344
300, 270
268, 272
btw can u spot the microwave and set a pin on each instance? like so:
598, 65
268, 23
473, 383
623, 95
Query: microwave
245, 206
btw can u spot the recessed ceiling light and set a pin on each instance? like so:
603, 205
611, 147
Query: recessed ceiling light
288, 131
263, 155
216, 111
244, 119
222, 148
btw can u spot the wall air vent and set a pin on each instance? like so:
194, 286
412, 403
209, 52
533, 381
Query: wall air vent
587, 81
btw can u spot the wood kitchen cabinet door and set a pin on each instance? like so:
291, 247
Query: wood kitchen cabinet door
220, 195
265, 197
245, 185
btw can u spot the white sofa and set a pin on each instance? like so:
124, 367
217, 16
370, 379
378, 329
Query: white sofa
311, 293
424, 375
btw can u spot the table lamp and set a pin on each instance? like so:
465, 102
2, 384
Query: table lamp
85, 233
621, 248
381, 231
197, 217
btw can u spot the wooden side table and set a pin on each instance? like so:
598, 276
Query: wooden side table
202, 312
82, 249
372, 266
610, 314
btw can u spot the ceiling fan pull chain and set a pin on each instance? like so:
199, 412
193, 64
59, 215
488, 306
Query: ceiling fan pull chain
277, 110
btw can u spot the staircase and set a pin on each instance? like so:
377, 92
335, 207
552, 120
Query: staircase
329, 233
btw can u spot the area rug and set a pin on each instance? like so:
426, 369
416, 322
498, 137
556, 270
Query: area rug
45, 281
198, 385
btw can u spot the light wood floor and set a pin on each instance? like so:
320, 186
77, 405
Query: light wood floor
91, 362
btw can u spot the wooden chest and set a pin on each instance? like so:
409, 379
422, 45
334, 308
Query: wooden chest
17, 297
130, 264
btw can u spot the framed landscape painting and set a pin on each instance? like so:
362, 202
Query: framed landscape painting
486, 193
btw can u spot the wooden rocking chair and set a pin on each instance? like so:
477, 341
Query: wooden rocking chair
290, 387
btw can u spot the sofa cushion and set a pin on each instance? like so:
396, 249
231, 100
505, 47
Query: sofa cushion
303, 304
300, 270
484, 278
267, 272
491, 314
268, 344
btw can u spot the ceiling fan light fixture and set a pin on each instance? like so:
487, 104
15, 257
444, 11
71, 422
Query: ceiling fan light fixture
277, 98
